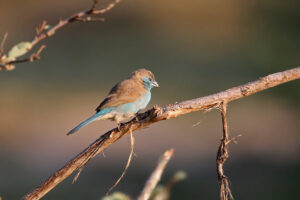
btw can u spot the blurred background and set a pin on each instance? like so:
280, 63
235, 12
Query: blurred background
195, 48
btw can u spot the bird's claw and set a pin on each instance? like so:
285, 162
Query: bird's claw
119, 126
136, 118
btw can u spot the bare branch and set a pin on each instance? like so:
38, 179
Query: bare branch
104, 10
2, 45
222, 156
94, 4
73, 18
89, 19
41, 27
156, 175
157, 114
82, 16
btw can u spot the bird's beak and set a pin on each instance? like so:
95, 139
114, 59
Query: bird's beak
154, 84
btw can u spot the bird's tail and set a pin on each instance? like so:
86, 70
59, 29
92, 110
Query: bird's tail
96, 116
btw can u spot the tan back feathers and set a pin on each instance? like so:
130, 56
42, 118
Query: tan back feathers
126, 91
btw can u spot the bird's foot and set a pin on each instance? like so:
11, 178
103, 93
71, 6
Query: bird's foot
119, 126
136, 117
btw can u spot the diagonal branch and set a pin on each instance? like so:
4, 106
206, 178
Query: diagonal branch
2, 44
156, 175
157, 114
73, 18
44, 31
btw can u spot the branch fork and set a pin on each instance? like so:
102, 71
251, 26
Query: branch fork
44, 31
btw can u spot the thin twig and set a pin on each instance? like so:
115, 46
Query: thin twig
2, 44
157, 114
41, 27
222, 156
95, 2
127, 164
104, 10
73, 18
89, 19
155, 176
82, 16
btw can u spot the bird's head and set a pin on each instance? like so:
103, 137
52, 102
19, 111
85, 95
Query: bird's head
146, 77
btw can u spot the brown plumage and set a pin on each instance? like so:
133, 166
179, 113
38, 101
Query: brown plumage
126, 91
125, 99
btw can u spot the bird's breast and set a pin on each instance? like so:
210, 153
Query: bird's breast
143, 101
127, 110
134, 107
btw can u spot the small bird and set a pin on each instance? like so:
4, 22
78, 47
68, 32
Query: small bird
125, 99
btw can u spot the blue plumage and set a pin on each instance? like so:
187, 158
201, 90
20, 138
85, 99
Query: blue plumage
125, 99
136, 106
96, 116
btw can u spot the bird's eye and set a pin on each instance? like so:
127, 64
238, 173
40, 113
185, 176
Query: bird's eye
149, 79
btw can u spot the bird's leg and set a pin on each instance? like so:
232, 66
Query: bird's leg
136, 117
119, 126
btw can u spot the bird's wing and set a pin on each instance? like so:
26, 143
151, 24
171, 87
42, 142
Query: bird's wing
126, 91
